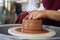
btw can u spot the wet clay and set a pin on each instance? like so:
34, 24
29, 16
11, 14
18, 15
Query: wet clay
32, 27
32, 32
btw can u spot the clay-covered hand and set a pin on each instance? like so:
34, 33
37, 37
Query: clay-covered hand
37, 15
51, 14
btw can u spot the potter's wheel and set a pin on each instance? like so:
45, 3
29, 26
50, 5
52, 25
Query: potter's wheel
12, 31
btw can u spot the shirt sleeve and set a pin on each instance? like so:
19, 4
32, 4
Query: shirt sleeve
51, 4
33, 5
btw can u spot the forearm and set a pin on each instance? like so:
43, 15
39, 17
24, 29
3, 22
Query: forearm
54, 15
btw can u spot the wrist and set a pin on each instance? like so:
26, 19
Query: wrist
45, 15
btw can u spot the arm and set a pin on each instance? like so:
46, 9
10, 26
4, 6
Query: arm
54, 15
51, 14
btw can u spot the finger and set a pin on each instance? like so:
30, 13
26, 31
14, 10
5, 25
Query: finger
34, 16
37, 16
26, 17
30, 16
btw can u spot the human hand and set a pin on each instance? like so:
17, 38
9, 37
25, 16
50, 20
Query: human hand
36, 15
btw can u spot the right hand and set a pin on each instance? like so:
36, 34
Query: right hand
36, 15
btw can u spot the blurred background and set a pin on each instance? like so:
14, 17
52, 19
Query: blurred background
9, 10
